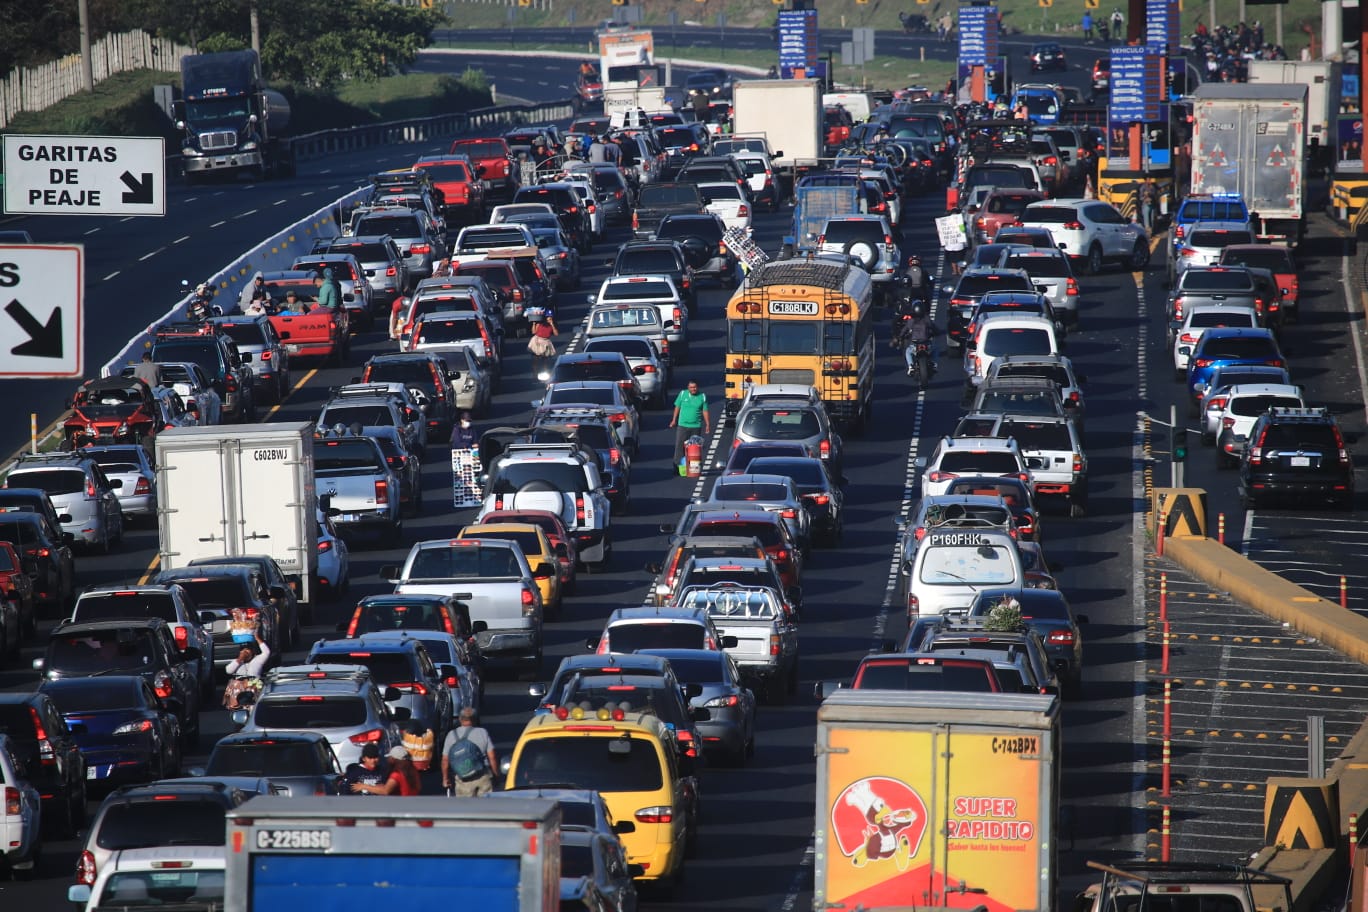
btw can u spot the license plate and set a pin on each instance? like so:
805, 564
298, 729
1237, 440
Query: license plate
294, 839
291, 348
1300, 461
90, 772
349, 518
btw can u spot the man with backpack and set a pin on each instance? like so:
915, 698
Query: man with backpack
468, 759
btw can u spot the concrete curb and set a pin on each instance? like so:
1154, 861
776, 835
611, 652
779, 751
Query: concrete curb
1271, 595
574, 55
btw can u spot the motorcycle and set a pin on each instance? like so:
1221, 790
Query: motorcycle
200, 307
920, 368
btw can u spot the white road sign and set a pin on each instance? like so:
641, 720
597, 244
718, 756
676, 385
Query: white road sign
42, 293
85, 175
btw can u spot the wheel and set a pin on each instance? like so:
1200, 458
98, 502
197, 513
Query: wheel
1094, 264
923, 373
1077, 509
864, 252
1139, 256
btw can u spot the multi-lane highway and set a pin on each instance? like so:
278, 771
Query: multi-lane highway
757, 821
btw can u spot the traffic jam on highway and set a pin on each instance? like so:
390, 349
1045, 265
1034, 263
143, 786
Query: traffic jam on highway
599, 472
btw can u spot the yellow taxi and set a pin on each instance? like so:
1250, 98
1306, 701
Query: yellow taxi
536, 547
631, 759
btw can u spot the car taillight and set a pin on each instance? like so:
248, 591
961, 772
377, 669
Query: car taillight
90, 487
1202, 362
824, 449
820, 500
614, 455
775, 646
1071, 287
1060, 638
888, 239
1072, 226
529, 601
421, 248
1178, 233
413, 687
325, 546
603, 647
1077, 464
265, 356
1228, 422
182, 636
517, 294
677, 315
1188, 337
142, 487
85, 869
1217, 403
938, 476
370, 736
161, 685
579, 508
742, 211
11, 801
356, 619
981, 222
913, 604
1186, 251
382, 492
723, 702
45, 752
636, 223
230, 382
392, 271
660, 814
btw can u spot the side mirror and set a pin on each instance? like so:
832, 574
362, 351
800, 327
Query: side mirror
543, 570
77, 728
700, 714
401, 714
246, 357
116, 483
667, 528
342, 625
190, 653
247, 698
593, 298
195, 771
39, 664
239, 717
653, 569
392, 693
79, 894
562, 550
626, 826
693, 689
389, 572
823, 689
537, 690
1080, 619
591, 644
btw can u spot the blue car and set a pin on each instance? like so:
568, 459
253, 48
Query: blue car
125, 733
1230, 347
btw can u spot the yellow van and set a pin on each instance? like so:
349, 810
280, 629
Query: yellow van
536, 547
630, 758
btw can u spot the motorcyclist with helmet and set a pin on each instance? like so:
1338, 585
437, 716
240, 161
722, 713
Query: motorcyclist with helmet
917, 330
918, 280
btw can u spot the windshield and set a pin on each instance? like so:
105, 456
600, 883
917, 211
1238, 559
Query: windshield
100, 652
223, 113
130, 605
302, 714
147, 824
967, 565
632, 765
271, 758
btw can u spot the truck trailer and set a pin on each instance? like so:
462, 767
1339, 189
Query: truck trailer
364, 853
231, 120
936, 799
1322, 81
226, 491
1251, 140
788, 112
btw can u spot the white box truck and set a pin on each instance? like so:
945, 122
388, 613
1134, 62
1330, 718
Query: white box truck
245, 489
393, 854
788, 112
1322, 81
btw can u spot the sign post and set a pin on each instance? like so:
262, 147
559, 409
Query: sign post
42, 288
85, 175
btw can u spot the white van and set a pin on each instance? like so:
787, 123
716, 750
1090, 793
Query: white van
952, 565
1008, 334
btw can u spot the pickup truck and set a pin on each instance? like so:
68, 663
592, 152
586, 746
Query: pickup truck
755, 617
476, 242
1227, 286
655, 201
317, 333
356, 486
493, 579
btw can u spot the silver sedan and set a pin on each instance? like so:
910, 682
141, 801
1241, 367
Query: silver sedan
561, 258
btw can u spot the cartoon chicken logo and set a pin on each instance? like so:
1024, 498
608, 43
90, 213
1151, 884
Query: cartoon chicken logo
879, 818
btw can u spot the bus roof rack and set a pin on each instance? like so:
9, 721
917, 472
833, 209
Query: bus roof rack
827, 275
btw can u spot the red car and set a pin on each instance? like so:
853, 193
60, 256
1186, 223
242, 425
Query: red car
111, 410
1277, 259
491, 154
17, 588
458, 179
769, 528
836, 124
1001, 207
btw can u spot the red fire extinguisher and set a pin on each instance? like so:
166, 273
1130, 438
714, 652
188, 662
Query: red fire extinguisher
693, 458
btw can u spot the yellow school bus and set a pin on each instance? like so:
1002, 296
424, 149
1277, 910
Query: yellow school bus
805, 321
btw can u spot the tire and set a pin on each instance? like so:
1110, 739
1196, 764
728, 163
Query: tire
923, 372
864, 252
1077, 509
1094, 262
1139, 256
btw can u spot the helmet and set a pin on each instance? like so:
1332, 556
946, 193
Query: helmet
917, 309
202, 288
914, 260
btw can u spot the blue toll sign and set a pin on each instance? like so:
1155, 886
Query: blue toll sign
1135, 85
978, 35
1162, 25
797, 39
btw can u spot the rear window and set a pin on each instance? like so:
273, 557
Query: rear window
632, 765
942, 676
1050, 215
394, 225
975, 286
1270, 258
454, 172
488, 238
481, 149
587, 370
19, 532
1218, 239
627, 317
1037, 435
700, 668
219, 592
1055, 373
204, 889
722, 191
768, 533
1013, 205
991, 462
633, 635
368, 253
642, 262
1301, 435
53, 481
706, 228
1216, 280
93, 695
781, 424
1019, 401
600, 395
1242, 348
149, 823
364, 415
385, 667
417, 616
241, 333
1048, 267
1209, 319
134, 605
1212, 211
844, 231
465, 562
632, 348
342, 269
102, 651
967, 565
677, 136
415, 370
345, 456
560, 199
748, 491
431, 332
1253, 406
498, 275
1016, 341
272, 758
306, 715
527, 541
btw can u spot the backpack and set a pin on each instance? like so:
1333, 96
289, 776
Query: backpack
466, 759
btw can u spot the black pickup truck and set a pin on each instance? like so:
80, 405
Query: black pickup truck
655, 201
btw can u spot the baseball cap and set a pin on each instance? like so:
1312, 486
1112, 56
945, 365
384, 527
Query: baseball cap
398, 753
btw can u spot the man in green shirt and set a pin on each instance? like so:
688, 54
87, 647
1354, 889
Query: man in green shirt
690, 417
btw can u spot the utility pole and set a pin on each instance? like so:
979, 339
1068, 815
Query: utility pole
87, 65
254, 16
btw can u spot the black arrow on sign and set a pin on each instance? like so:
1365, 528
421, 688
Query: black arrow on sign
139, 191
44, 341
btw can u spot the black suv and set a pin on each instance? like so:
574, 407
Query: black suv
40, 737
563, 199
45, 554
135, 646
233, 380
704, 250
1297, 454
217, 590
425, 371
659, 258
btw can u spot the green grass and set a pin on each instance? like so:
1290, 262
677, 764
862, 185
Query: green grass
120, 106
1024, 16
883, 72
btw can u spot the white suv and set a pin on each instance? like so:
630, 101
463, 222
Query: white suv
1000, 334
1091, 231
83, 497
1245, 403
558, 478
869, 239
1203, 243
956, 456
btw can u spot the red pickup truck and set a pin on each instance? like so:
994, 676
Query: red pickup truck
493, 163
306, 330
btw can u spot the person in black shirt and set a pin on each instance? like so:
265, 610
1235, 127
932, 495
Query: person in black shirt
369, 771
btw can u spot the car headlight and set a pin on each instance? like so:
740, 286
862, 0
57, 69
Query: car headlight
249, 146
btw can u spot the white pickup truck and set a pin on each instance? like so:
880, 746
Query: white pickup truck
476, 242
766, 638
20, 815
492, 579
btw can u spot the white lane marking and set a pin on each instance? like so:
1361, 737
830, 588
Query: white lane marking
800, 877
333, 186
279, 202
110, 276
1136, 638
245, 214
307, 193
148, 256
217, 224
190, 199
326, 171
180, 239
127, 219
91, 231
708, 458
